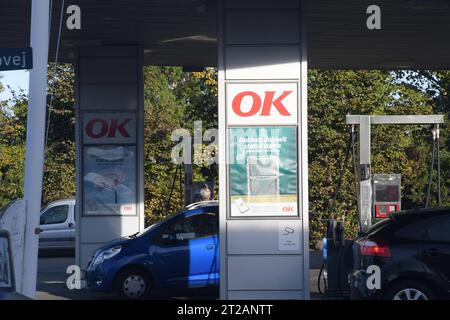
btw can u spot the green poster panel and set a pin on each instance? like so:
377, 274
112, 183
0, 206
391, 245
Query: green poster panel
263, 171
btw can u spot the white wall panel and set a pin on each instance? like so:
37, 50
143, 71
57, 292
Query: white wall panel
265, 272
108, 97
108, 70
262, 62
261, 237
262, 27
103, 229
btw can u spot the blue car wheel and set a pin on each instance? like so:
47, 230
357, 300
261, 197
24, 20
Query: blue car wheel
133, 283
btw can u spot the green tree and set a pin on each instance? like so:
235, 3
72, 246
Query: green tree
163, 114
174, 99
12, 149
435, 87
200, 95
395, 149
59, 166
59, 169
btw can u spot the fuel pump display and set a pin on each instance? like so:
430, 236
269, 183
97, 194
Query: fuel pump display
386, 194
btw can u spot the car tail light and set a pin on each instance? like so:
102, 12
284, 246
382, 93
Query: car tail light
374, 248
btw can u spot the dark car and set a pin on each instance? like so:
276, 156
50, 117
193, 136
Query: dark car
412, 251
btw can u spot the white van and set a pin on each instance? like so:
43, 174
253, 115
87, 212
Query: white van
57, 224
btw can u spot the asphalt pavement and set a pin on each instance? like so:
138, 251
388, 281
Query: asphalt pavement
52, 276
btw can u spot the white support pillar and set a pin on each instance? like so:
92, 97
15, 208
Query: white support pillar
115, 99
365, 184
263, 171
34, 158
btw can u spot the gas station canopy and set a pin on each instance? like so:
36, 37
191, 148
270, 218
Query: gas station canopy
414, 33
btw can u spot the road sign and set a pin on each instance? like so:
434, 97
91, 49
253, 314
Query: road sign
16, 59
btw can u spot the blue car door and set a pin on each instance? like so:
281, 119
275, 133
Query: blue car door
203, 253
187, 254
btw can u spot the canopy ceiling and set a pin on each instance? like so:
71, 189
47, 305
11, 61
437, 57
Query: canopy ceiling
414, 34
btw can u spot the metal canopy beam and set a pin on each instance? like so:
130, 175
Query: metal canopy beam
397, 119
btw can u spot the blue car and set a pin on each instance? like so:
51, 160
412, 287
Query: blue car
181, 251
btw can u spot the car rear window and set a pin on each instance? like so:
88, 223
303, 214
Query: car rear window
436, 230
409, 230
379, 225
424, 228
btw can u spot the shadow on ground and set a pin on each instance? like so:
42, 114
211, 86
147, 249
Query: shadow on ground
52, 276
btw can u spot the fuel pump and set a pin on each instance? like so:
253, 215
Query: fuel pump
365, 193
378, 195
386, 194
337, 261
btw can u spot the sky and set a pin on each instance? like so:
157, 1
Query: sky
15, 79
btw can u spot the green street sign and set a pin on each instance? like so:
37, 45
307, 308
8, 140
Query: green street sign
16, 59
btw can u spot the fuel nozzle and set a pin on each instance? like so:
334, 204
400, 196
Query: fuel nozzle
339, 233
335, 231
330, 229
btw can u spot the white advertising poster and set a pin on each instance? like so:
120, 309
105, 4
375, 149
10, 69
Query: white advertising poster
109, 180
262, 103
263, 172
5, 272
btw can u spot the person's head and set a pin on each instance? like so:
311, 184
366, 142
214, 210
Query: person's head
205, 193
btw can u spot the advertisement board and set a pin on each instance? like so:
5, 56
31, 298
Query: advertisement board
5, 264
109, 180
263, 171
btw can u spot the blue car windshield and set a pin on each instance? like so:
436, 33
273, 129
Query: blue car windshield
156, 224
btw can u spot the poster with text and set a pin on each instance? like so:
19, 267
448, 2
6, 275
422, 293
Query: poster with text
109, 180
5, 271
263, 171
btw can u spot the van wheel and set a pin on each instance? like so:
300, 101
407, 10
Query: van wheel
133, 283
409, 290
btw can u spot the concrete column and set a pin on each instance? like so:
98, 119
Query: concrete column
34, 157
